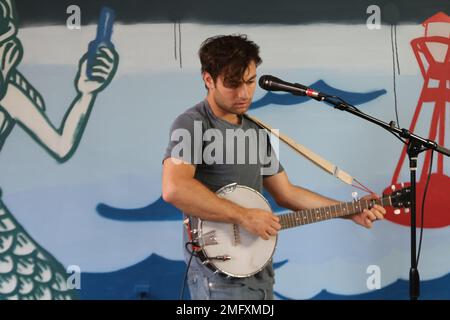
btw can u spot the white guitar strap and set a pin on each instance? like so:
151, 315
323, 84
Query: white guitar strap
305, 152
308, 154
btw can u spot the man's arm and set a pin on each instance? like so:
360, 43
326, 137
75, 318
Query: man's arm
293, 197
180, 188
62, 143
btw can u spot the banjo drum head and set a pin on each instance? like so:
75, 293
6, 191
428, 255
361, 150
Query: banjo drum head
248, 253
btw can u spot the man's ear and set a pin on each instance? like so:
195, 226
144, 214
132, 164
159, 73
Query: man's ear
209, 81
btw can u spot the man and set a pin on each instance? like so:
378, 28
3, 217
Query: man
190, 179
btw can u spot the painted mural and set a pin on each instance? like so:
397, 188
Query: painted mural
28, 271
81, 213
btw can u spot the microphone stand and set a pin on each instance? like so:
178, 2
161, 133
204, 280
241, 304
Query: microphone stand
416, 145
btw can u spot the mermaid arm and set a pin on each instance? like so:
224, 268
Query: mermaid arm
61, 143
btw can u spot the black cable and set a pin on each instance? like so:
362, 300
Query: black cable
396, 49
403, 141
423, 207
346, 103
192, 253
175, 39
393, 75
355, 108
179, 44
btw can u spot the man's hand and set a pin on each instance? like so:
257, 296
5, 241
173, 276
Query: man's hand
366, 217
103, 71
260, 222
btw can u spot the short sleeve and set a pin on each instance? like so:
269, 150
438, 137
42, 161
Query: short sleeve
185, 140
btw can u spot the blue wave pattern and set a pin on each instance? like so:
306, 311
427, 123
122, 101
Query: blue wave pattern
436, 289
157, 211
287, 99
155, 278
158, 278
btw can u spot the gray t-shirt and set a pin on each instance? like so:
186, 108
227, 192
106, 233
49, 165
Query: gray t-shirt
198, 137
222, 152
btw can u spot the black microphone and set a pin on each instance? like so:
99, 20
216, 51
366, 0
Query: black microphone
271, 83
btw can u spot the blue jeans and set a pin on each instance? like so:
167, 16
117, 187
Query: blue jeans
204, 284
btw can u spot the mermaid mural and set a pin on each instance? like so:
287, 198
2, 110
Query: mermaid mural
28, 271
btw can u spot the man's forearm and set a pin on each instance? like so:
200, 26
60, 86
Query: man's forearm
193, 198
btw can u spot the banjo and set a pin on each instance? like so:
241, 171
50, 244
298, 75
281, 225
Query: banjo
235, 252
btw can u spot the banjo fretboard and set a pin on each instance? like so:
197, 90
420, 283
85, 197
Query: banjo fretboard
307, 216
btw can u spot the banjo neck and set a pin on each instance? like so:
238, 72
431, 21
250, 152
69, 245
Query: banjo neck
234, 251
298, 218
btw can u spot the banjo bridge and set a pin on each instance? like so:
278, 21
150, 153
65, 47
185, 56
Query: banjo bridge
237, 236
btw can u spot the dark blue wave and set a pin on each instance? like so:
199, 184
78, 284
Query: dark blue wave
155, 278
436, 289
277, 265
159, 278
156, 211
287, 99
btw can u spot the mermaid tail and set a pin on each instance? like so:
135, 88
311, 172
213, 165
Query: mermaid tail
27, 271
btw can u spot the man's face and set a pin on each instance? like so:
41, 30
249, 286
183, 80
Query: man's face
234, 100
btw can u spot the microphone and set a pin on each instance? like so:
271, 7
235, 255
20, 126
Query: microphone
271, 83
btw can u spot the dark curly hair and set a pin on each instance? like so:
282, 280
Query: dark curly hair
228, 56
